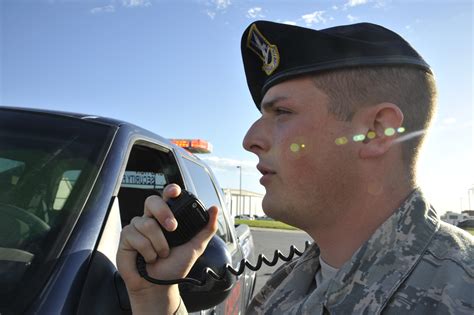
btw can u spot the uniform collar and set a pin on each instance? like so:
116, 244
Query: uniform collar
292, 293
380, 265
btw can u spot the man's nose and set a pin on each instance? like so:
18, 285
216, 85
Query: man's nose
256, 139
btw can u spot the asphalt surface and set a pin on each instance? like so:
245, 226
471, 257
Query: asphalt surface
267, 241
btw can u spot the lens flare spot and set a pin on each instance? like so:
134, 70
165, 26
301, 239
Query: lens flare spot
294, 147
303, 146
389, 132
375, 189
371, 134
401, 130
341, 141
359, 138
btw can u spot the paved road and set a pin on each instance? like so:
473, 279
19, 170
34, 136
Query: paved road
267, 240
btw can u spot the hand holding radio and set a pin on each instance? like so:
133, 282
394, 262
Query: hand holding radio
154, 234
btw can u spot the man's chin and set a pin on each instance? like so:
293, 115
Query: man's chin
267, 205
273, 209
278, 212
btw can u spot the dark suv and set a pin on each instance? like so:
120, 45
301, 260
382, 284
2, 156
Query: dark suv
68, 184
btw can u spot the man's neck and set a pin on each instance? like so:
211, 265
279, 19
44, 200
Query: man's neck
354, 226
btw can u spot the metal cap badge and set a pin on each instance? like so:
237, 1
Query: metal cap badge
264, 50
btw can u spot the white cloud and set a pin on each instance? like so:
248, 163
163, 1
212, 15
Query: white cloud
352, 18
136, 3
314, 18
216, 6
379, 4
211, 14
254, 13
125, 3
289, 22
334, 7
353, 3
226, 164
105, 9
221, 4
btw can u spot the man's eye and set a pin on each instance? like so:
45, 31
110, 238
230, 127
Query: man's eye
281, 111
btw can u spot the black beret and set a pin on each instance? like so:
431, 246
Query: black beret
274, 52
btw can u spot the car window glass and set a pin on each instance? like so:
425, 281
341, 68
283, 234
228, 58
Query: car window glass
10, 173
149, 169
67, 182
8, 164
41, 171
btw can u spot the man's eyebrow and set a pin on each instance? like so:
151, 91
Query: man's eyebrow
267, 105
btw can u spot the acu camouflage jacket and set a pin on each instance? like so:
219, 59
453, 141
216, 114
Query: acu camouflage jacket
413, 263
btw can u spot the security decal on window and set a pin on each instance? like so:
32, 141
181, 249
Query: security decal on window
143, 180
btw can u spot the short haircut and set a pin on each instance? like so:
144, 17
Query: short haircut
413, 90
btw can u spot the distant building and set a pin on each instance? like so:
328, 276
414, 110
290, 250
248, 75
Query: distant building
249, 202
455, 217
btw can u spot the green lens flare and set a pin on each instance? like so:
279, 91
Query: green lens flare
371, 134
294, 147
389, 132
341, 141
359, 138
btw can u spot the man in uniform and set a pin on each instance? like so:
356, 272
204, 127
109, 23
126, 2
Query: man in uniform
344, 111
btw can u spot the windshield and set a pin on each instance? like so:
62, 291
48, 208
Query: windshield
47, 167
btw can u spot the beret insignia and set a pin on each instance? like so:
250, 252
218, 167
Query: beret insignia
267, 52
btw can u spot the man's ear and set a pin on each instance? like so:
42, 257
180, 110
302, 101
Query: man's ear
381, 123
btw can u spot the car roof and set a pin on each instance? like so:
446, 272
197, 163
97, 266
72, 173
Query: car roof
102, 120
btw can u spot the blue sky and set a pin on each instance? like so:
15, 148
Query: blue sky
174, 67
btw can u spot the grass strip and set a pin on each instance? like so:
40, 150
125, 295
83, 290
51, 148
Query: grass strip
266, 224
269, 224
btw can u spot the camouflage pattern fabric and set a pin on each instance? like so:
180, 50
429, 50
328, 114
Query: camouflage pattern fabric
413, 263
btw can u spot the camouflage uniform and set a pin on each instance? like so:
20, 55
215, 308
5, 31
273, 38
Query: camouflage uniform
413, 263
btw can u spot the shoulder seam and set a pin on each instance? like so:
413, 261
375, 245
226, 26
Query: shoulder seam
468, 271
